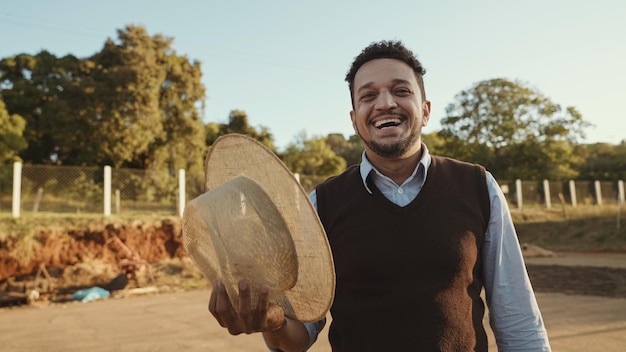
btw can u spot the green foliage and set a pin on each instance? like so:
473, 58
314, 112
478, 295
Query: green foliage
40, 88
313, 157
12, 140
70, 188
211, 132
182, 145
125, 80
146, 100
513, 130
238, 123
435, 143
350, 150
6, 186
82, 192
135, 103
603, 161
537, 160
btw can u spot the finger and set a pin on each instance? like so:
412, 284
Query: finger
263, 302
213, 303
273, 316
245, 311
261, 320
224, 309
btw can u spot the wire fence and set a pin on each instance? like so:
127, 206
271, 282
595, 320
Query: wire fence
74, 189
545, 193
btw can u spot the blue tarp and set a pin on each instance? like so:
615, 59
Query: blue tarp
90, 294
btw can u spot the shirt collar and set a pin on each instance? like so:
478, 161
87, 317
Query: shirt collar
366, 167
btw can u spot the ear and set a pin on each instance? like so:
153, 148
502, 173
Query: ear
353, 119
425, 112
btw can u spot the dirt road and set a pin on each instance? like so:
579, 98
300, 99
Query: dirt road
180, 321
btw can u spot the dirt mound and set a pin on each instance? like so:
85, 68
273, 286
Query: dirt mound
79, 256
531, 250
109, 244
50, 264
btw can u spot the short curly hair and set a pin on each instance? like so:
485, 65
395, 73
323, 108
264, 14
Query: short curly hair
386, 49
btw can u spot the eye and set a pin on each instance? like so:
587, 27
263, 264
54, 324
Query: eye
367, 96
402, 92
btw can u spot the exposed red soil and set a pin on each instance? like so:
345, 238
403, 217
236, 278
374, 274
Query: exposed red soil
79, 258
56, 249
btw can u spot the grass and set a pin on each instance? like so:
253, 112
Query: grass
584, 228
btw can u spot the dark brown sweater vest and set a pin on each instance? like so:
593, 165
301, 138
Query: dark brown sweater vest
408, 278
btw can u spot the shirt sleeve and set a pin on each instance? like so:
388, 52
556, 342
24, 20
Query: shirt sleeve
514, 315
313, 329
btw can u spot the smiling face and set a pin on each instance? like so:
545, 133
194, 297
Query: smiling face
389, 111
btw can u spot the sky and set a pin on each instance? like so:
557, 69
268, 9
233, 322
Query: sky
283, 62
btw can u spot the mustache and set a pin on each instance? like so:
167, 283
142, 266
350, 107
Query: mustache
388, 113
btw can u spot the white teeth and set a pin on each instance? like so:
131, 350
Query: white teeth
382, 122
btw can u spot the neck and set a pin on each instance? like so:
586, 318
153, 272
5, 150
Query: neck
399, 168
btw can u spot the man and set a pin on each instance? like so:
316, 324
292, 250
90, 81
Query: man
415, 238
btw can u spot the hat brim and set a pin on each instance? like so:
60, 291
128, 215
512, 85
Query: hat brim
236, 155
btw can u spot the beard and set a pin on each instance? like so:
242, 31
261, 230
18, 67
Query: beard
392, 150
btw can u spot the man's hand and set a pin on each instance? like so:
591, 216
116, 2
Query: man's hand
265, 317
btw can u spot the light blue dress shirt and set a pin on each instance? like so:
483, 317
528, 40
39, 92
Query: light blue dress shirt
514, 315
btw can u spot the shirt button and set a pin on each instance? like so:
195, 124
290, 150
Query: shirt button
400, 190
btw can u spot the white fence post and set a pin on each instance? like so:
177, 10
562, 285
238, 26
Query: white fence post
518, 193
620, 192
572, 192
596, 185
181, 192
107, 190
17, 188
546, 193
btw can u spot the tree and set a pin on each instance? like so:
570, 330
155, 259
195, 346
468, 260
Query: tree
350, 150
238, 123
434, 142
143, 102
211, 133
125, 78
134, 104
42, 89
604, 161
11, 135
182, 143
515, 131
312, 157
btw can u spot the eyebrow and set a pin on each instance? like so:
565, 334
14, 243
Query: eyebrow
395, 81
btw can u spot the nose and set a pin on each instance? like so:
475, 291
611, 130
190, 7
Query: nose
386, 101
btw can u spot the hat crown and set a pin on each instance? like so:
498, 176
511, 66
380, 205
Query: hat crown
252, 239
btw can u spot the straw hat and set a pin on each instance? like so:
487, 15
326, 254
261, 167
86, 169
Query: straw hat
255, 222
